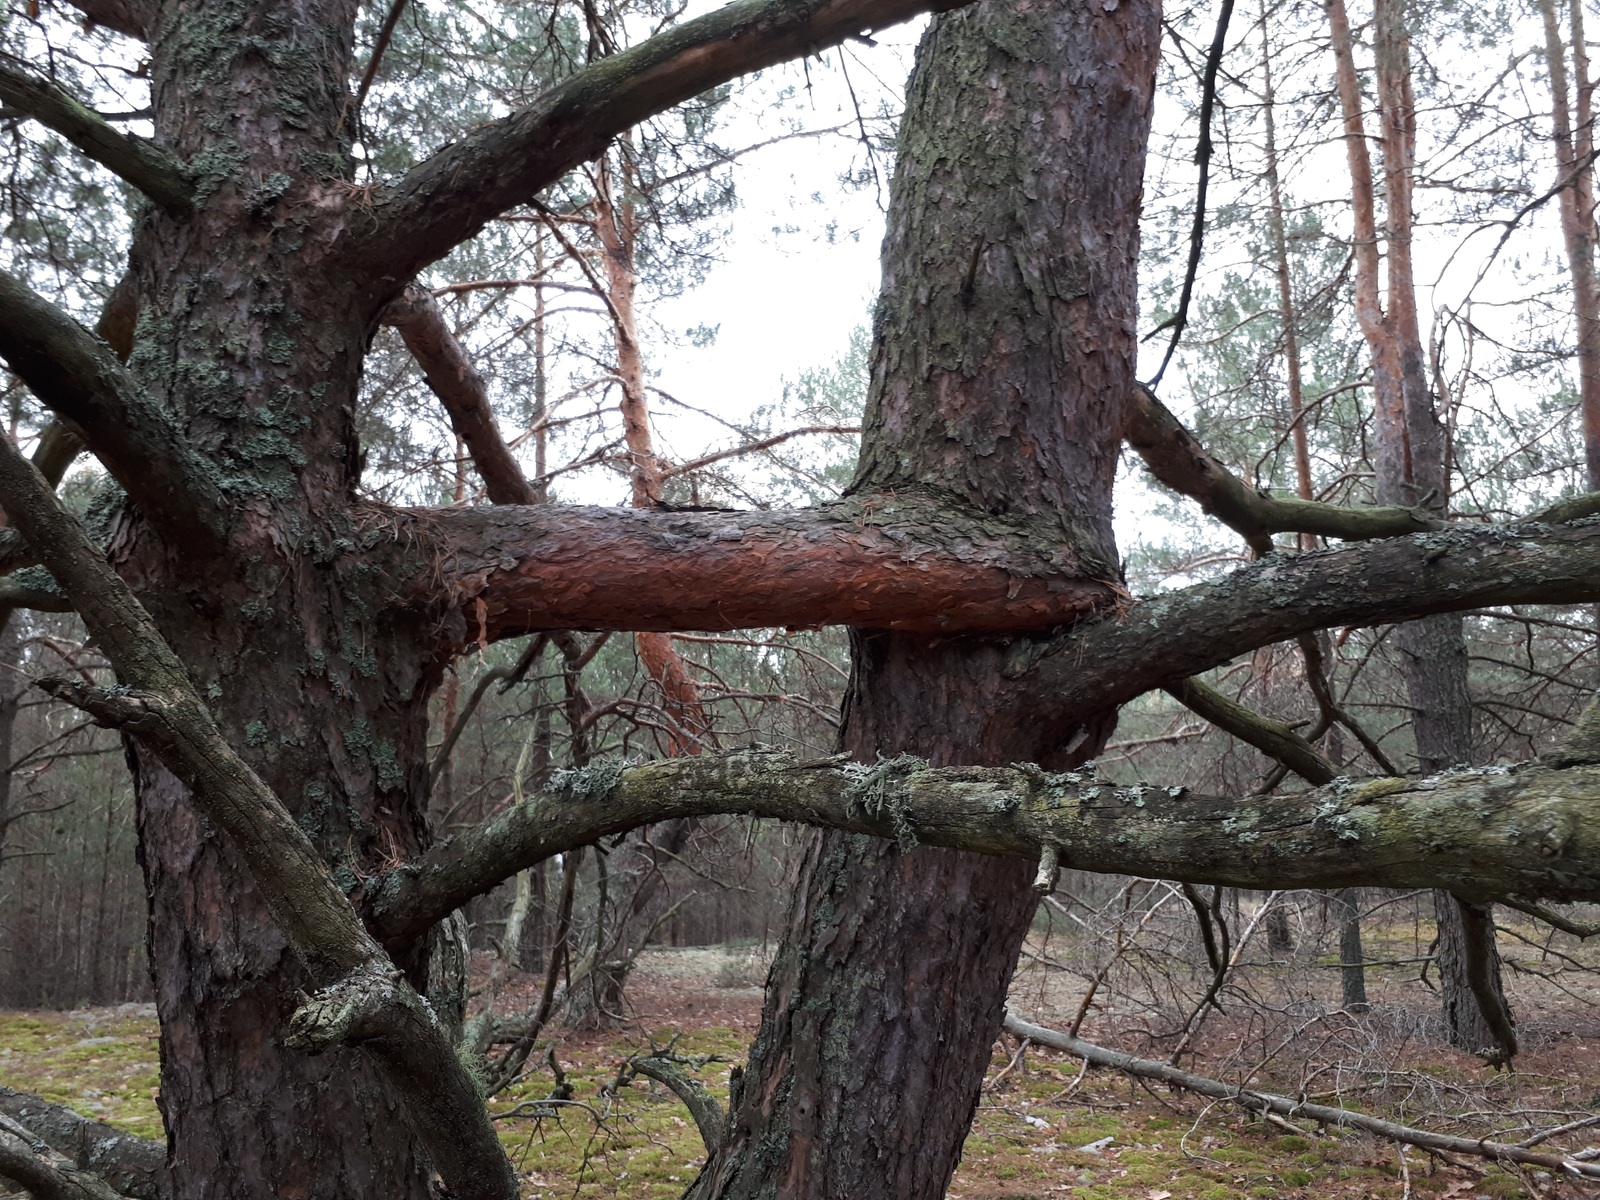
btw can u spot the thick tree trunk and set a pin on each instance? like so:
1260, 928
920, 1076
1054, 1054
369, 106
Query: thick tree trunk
244, 341
1003, 347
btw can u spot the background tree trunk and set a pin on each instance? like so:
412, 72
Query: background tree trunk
1004, 342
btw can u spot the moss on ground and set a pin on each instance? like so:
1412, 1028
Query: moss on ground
1027, 1143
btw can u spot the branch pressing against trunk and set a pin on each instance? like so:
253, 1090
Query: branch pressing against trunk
886, 562
448, 198
1177, 459
131, 1166
1283, 1106
361, 997
78, 377
1530, 830
1273, 738
142, 163
416, 316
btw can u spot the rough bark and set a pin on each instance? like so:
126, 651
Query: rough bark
1482, 832
1003, 345
140, 162
131, 1166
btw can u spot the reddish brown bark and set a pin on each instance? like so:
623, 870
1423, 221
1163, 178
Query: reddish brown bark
890, 562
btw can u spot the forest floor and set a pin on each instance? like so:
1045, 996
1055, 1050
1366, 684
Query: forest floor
1044, 1127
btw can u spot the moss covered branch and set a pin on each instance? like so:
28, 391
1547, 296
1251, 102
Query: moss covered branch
142, 163
1176, 457
1532, 830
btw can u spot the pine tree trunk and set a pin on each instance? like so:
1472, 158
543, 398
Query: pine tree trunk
1003, 343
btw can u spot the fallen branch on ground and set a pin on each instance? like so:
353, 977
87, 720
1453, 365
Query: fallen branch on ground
1282, 1106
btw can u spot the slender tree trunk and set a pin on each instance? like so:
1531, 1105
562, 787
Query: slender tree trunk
616, 224
1409, 442
1352, 968
1003, 340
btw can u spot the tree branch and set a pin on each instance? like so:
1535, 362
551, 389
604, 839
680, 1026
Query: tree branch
78, 377
447, 199
1177, 459
132, 1166
1109, 660
361, 996
898, 562
47, 1175
1273, 738
1266, 1102
1529, 831
129, 17
416, 316
138, 161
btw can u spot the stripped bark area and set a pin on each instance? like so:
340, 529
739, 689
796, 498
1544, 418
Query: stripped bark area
886, 562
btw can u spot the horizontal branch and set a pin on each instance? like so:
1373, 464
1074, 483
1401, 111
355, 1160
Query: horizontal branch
132, 1166
879, 562
77, 376
140, 162
1177, 459
1323, 1114
448, 198
1532, 831
1106, 661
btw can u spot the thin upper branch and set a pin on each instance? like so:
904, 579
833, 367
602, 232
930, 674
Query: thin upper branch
1177, 459
142, 163
448, 198
1529, 830
1273, 738
416, 316
76, 375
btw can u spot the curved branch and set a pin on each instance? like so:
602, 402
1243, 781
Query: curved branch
77, 376
1530, 831
1177, 459
140, 162
361, 997
447, 199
